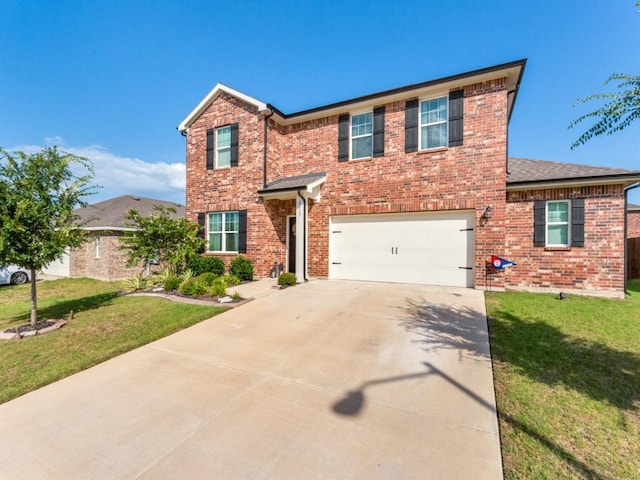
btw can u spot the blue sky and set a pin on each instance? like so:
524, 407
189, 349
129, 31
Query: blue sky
112, 80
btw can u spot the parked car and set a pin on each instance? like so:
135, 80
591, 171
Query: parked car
14, 275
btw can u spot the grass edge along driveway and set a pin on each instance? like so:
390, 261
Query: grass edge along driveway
567, 380
105, 325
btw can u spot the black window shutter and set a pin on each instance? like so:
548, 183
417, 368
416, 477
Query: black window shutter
242, 231
378, 132
456, 106
577, 222
234, 144
209, 148
201, 224
539, 222
411, 126
343, 137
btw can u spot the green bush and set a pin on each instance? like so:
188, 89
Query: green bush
219, 288
194, 287
172, 283
242, 268
135, 283
231, 280
206, 264
208, 278
287, 278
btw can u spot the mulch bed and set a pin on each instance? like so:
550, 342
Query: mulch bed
29, 328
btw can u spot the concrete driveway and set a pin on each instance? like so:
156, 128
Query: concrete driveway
330, 379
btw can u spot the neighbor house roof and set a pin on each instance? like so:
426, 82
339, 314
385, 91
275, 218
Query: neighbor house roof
525, 172
512, 71
632, 207
109, 214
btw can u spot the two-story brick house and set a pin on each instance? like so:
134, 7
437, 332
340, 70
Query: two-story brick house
406, 185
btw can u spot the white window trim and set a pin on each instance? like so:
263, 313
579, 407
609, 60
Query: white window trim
223, 232
547, 223
352, 137
218, 149
421, 125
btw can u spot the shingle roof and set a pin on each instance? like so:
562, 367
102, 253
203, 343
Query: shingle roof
109, 214
632, 207
524, 170
293, 183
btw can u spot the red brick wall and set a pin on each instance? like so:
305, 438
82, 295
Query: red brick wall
470, 176
598, 266
633, 224
112, 264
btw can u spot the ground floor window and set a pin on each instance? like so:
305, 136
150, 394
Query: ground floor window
558, 222
223, 232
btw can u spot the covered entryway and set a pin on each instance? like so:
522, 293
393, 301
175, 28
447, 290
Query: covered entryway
426, 248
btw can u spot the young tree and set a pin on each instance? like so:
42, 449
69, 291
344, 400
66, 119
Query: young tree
622, 108
162, 237
39, 193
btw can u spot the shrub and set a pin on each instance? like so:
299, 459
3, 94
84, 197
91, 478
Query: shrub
135, 283
231, 280
242, 268
219, 288
172, 283
236, 296
208, 278
205, 264
193, 287
287, 278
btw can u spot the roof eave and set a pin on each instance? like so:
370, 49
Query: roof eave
621, 179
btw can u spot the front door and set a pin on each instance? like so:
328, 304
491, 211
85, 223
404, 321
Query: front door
291, 244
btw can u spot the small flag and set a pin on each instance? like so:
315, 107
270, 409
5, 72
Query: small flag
499, 263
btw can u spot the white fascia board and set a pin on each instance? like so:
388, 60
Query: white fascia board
211, 96
110, 229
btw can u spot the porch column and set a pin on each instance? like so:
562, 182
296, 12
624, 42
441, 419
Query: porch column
301, 230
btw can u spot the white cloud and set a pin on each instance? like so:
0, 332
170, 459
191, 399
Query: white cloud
120, 175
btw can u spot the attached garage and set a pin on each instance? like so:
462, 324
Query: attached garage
427, 248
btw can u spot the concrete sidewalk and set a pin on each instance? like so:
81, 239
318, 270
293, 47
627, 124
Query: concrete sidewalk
328, 379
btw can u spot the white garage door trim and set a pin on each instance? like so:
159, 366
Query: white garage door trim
435, 248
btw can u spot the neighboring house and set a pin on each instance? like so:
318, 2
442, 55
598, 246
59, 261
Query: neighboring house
100, 257
633, 221
407, 185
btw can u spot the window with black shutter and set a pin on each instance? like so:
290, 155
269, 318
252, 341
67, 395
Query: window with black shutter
378, 131
343, 137
210, 133
411, 126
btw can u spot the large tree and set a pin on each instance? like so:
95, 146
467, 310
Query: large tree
38, 194
620, 110
161, 236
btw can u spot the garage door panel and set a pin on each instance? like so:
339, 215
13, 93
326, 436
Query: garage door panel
430, 248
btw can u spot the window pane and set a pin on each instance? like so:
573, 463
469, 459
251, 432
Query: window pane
232, 242
432, 111
224, 158
224, 137
215, 222
434, 136
558, 212
215, 242
362, 124
231, 223
558, 235
362, 147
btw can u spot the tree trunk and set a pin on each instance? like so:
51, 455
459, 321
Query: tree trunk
34, 301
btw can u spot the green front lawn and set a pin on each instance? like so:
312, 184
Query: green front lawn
104, 326
567, 379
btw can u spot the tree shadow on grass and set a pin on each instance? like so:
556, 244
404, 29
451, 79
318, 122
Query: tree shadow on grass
542, 352
447, 326
60, 310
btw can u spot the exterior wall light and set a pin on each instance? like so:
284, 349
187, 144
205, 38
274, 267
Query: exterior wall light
486, 215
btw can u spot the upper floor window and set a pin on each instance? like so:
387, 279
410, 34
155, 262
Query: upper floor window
558, 221
433, 123
223, 232
223, 147
362, 135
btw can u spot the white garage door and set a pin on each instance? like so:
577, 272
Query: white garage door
432, 248
58, 267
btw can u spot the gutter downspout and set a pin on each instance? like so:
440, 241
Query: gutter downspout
304, 237
264, 159
626, 204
